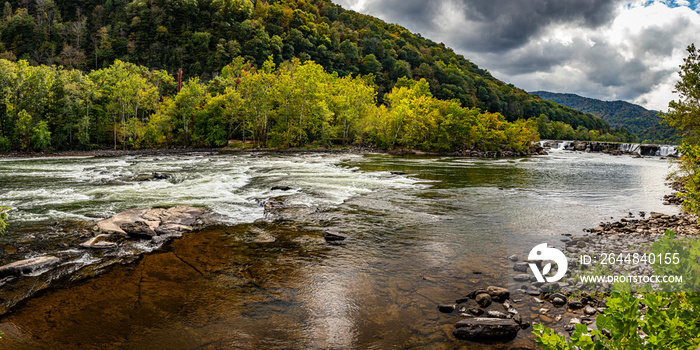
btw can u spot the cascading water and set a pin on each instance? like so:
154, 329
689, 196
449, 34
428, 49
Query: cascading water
631, 148
668, 151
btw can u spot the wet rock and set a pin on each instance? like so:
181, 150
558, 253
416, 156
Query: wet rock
550, 287
523, 277
332, 236
521, 267
27, 266
138, 229
558, 301
497, 314
152, 222
483, 299
446, 308
98, 242
280, 188
590, 311
398, 173
476, 311
513, 258
498, 294
153, 177
462, 300
533, 290
575, 304
480, 328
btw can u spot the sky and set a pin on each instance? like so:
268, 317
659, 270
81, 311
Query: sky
604, 49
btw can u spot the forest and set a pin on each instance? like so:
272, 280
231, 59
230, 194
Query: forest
646, 124
76, 49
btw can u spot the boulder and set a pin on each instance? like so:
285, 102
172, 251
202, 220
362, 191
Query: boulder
481, 328
483, 299
280, 188
498, 294
151, 222
27, 266
575, 304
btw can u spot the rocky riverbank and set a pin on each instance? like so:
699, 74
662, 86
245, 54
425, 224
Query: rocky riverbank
120, 239
506, 152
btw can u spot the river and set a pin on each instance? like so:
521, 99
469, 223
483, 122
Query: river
438, 232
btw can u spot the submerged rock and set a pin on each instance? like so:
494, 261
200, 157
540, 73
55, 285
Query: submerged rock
481, 328
27, 266
332, 236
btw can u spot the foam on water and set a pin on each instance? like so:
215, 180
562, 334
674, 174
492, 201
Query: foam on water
231, 185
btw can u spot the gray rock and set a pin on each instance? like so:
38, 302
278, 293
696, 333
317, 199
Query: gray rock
523, 277
520, 266
27, 266
513, 258
532, 290
588, 310
480, 328
550, 287
497, 314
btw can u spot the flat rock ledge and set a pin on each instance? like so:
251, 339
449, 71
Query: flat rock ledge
482, 328
152, 222
28, 266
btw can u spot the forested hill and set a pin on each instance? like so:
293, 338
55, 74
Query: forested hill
202, 36
637, 119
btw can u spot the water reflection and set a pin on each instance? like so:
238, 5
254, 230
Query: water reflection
415, 241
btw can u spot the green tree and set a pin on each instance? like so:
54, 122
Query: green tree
684, 116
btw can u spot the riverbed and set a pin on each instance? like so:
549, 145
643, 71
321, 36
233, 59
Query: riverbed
422, 231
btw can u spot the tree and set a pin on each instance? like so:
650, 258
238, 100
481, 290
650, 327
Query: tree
684, 115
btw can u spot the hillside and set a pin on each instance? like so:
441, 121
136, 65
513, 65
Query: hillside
637, 119
201, 37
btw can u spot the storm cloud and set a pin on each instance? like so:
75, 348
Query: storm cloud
606, 49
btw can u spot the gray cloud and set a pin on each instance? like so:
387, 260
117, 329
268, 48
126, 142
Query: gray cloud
596, 48
493, 25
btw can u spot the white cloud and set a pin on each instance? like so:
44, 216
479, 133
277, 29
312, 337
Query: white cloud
631, 51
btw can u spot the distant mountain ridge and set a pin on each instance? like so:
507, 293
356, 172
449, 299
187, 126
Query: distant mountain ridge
638, 120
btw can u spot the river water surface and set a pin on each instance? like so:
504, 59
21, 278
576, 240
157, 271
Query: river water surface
415, 240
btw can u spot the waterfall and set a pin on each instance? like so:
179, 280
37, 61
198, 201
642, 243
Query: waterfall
631, 147
665, 151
